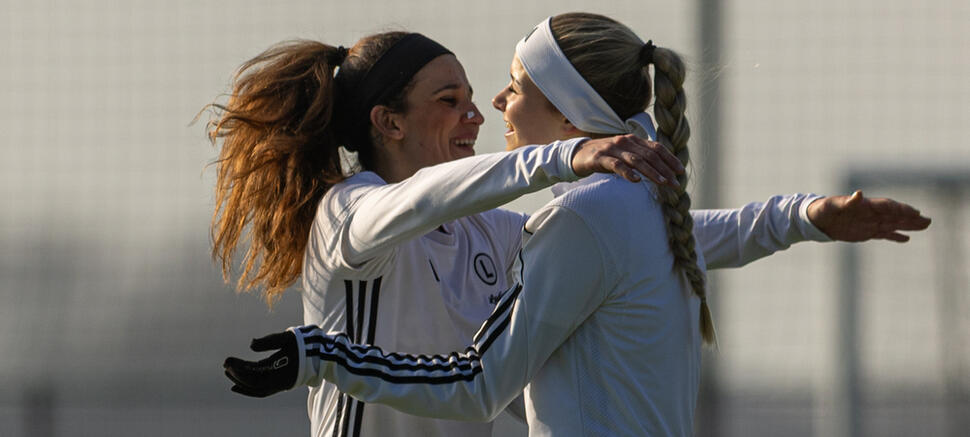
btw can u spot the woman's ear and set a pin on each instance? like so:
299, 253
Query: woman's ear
387, 122
569, 130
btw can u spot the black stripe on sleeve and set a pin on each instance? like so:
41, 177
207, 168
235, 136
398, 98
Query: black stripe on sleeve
371, 328
359, 417
340, 409
504, 323
346, 363
361, 301
349, 303
345, 403
461, 367
374, 299
358, 354
433, 271
504, 303
346, 422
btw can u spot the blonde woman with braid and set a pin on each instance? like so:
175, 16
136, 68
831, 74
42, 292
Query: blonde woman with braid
604, 321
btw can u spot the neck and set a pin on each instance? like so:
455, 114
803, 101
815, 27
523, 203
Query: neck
391, 167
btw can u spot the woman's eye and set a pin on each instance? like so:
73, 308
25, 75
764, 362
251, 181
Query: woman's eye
451, 101
512, 89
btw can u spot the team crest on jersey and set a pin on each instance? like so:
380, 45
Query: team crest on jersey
485, 268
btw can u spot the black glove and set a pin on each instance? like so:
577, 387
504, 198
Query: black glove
268, 376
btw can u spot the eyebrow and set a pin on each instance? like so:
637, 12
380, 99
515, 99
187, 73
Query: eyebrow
454, 86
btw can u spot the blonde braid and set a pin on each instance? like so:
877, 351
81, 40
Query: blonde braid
608, 55
673, 131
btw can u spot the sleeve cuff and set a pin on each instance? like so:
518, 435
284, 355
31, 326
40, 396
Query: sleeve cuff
301, 356
805, 226
567, 149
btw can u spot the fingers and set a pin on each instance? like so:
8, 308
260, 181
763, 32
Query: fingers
251, 392
232, 377
240, 371
249, 378
917, 224
895, 236
651, 159
627, 155
653, 176
652, 166
893, 208
271, 342
254, 374
619, 167
899, 215
240, 384
234, 363
669, 158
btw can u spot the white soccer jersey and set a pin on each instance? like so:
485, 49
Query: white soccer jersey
597, 320
377, 268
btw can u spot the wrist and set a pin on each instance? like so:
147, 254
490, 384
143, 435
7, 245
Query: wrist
812, 213
812, 210
577, 170
300, 356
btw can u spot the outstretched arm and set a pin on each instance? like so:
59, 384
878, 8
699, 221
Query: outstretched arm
529, 323
735, 237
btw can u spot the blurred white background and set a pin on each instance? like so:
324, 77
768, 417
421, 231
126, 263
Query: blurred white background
113, 320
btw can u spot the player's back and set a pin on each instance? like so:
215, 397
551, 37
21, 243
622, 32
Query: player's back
632, 367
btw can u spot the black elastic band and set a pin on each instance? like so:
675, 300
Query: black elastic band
340, 55
388, 76
646, 53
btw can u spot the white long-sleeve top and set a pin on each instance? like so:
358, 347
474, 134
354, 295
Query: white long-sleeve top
596, 326
411, 266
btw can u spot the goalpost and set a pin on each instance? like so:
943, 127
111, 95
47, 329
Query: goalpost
904, 316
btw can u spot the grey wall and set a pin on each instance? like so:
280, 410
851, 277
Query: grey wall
113, 318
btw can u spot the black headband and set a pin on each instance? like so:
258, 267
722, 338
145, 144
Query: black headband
388, 76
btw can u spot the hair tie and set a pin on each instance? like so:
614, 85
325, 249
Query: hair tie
340, 55
646, 53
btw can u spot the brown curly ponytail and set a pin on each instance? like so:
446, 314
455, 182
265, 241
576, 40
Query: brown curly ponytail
608, 55
280, 154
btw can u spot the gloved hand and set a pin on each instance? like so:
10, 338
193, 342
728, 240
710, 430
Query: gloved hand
267, 376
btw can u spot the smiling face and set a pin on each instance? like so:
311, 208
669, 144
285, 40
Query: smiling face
528, 115
436, 127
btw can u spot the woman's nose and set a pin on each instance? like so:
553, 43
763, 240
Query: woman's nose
474, 115
498, 102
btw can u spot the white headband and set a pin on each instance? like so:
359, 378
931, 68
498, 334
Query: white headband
566, 89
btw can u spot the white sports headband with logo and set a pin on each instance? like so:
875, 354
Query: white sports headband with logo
566, 89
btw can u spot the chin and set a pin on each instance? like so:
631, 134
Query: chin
516, 144
463, 153
512, 142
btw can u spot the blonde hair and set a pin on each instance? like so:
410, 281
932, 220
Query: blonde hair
608, 55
